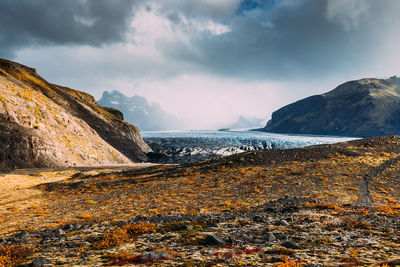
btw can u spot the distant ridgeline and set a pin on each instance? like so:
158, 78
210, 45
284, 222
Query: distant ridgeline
146, 116
47, 125
362, 108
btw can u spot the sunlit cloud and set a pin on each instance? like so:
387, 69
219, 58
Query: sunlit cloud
209, 62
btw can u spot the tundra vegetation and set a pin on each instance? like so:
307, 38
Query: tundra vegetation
329, 204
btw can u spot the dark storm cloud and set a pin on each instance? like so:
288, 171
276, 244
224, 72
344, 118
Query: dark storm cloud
24, 23
295, 38
263, 40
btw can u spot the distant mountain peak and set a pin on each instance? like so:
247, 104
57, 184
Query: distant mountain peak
138, 111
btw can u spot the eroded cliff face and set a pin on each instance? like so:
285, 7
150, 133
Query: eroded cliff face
43, 125
364, 108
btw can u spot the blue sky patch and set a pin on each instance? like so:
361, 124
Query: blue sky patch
248, 5
256, 10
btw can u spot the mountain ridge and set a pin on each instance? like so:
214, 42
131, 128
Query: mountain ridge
363, 108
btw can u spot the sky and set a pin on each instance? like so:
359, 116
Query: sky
205, 61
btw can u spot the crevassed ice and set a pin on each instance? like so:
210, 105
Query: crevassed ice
245, 140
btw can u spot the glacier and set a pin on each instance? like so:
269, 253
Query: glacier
190, 146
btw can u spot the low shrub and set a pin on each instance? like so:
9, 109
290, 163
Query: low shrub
120, 235
12, 255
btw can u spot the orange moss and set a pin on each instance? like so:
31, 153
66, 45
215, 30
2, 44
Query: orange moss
13, 255
327, 206
121, 235
289, 263
390, 209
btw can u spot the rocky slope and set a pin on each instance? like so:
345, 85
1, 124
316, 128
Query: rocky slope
366, 107
43, 124
326, 205
137, 110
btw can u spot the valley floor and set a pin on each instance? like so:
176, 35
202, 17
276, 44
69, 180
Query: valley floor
328, 205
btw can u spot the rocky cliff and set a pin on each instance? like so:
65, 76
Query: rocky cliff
137, 110
43, 125
364, 108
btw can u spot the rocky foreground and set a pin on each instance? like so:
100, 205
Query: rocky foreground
328, 205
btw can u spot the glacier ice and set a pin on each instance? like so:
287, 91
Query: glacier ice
188, 146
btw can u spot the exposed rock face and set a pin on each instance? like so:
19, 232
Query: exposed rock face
137, 110
365, 108
43, 125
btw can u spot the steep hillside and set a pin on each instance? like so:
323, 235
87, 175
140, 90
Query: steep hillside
137, 110
366, 107
43, 124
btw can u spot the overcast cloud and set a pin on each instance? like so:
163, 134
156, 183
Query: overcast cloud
218, 59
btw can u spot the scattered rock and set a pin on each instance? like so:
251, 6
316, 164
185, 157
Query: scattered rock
394, 262
213, 240
270, 237
283, 223
181, 227
83, 262
23, 236
258, 219
59, 232
156, 256
69, 227
290, 244
40, 262
280, 236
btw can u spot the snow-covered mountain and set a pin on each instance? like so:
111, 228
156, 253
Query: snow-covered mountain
138, 111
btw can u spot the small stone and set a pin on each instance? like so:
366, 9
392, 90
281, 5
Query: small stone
213, 240
258, 219
270, 237
394, 262
181, 227
59, 232
284, 223
23, 236
40, 262
158, 255
280, 236
290, 244
149, 249
83, 262
170, 236
69, 227
196, 256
